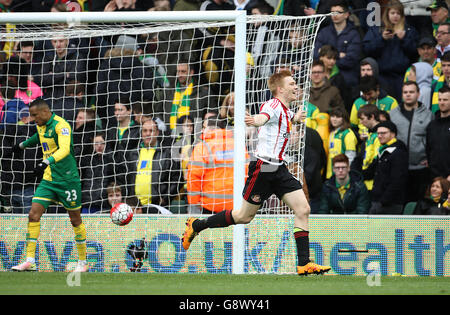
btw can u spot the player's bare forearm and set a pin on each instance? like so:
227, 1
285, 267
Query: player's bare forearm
255, 120
299, 117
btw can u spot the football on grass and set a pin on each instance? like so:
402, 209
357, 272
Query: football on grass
121, 214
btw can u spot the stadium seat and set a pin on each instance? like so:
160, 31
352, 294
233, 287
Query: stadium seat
409, 207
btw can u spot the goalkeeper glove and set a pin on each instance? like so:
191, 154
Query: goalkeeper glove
40, 168
17, 148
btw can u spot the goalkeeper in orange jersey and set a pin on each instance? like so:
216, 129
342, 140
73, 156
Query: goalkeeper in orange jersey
60, 181
268, 174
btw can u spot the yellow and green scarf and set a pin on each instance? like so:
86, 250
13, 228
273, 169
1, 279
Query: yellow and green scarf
384, 146
342, 188
181, 103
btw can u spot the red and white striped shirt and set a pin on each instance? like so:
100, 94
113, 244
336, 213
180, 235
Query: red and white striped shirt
273, 136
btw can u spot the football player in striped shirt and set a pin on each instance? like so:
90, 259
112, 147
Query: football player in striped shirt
268, 173
60, 181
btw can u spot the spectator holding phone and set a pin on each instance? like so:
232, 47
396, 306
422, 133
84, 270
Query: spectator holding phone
394, 38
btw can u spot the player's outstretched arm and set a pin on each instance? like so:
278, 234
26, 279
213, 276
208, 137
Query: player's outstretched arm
256, 120
30, 142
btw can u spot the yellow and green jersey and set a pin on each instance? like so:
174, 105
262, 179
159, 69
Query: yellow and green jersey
143, 185
339, 142
121, 130
311, 115
56, 140
386, 103
371, 151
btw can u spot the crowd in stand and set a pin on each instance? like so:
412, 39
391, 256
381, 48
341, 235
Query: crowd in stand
378, 116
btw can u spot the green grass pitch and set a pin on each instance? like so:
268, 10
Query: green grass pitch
220, 284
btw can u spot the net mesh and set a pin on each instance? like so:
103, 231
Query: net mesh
108, 80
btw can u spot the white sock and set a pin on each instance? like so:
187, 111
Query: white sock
31, 260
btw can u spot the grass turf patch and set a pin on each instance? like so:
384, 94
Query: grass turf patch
215, 284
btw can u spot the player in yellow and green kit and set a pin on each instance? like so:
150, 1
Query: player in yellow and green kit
60, 181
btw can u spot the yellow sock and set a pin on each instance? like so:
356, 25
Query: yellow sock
80, 238
32, 236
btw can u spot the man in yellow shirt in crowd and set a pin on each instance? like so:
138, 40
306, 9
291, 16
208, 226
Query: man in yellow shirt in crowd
150, 171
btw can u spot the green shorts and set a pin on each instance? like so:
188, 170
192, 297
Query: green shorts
67, 194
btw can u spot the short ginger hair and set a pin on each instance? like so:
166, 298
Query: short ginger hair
276, 80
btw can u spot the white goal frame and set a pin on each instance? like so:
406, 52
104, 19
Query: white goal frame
239, 19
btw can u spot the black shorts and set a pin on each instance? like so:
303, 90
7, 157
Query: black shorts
265, 179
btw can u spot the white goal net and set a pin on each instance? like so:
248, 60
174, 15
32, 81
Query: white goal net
138, 96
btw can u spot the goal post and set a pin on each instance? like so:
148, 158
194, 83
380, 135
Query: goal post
239, 142
261, 45
119, 17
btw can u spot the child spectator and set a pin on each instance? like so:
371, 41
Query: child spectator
114, 192
342, 139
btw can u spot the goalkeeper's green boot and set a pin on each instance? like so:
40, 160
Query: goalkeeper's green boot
189, 233
312, 268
